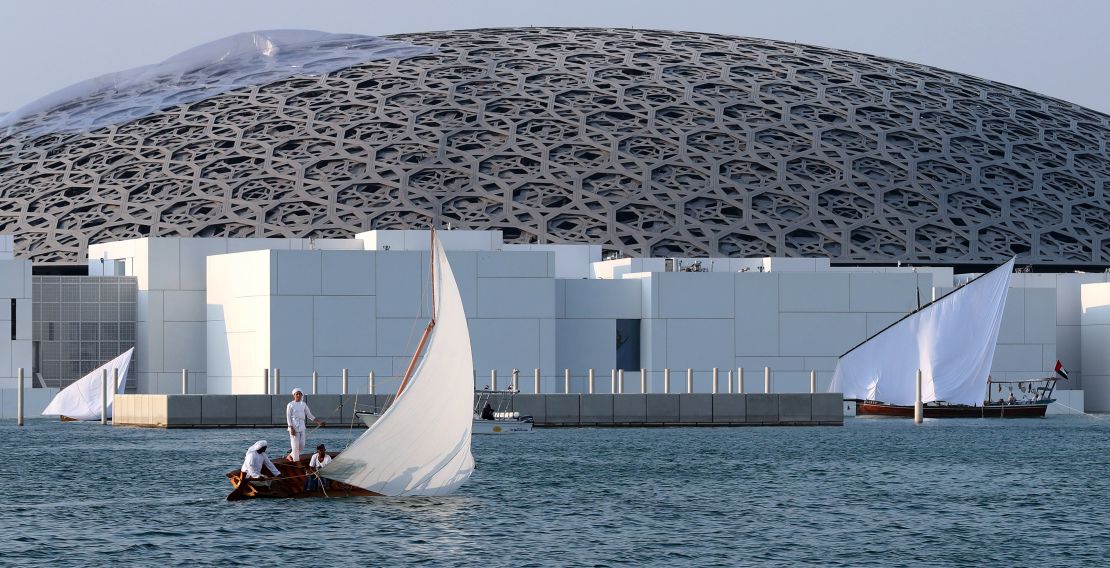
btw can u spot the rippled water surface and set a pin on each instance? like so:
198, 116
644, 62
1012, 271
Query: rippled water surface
875, 492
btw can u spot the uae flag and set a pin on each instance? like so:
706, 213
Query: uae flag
1060, 370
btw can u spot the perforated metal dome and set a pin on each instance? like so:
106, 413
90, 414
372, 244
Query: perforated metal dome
649, 143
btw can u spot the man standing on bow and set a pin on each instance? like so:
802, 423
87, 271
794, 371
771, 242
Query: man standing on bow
296, 412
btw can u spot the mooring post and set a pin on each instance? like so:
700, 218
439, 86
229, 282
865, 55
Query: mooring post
689, 381
643, 381
315, 381
371, 386
716, 375
266, 381
666, 380
493, 379
566, 381
343, 383
620, 381
766, 380
184, 381
918, 407
612, 381
277, 380
739, 380
19, 398
590, 381
536, 381
813, 382
104, 396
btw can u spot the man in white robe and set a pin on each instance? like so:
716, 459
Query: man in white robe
296, 414
255, 459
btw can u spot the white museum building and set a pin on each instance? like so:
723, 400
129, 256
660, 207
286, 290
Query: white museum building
232, 311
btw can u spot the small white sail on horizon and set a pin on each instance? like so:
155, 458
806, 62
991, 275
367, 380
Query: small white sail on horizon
81, 400
420, 446
951, 340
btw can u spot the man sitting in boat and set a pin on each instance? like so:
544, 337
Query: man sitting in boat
254, 460
295, 414
319, 460
487, 412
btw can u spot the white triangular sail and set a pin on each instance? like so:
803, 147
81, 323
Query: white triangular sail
951, 340
81, 400
421, 443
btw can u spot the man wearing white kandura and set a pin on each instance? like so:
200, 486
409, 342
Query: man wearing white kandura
296, 412
255, 459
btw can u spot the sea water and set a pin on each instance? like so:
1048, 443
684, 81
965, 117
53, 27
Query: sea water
870, 493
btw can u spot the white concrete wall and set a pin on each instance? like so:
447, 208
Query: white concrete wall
170, 330
1095, 342
15, 284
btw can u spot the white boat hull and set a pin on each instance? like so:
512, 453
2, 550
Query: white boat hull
501, 427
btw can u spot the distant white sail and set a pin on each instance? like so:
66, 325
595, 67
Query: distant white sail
951, 340
421, 443
81, 400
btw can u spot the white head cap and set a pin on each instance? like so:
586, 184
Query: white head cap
298, 390
258, 446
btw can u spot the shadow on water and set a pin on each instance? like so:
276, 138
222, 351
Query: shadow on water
875, 492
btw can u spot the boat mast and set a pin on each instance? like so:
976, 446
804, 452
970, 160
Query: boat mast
431, 322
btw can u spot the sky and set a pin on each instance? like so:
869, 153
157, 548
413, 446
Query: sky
1056, 47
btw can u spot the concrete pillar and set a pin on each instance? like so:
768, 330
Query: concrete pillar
767, 380
566, 381
620, 381
739, 380
590, 381
19, 398
265, 381
689, 380
277, 380
184, 381
643, 381
371, 386
514, 384
536, 381
104, 396
115, 381
612, 381
493, 379
343, 383
918, 407
315, 382
812, 382
666, 380
729, 389
716, 375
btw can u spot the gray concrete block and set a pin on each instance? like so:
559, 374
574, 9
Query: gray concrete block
217, 409
350, 403
325, 407
596, 408
383, 401
795, 407
253, 409
630, 408
729, 408
662, 407
531, 405
762, 408
183, 409
562, 408
697, 407
828, 407
277, 408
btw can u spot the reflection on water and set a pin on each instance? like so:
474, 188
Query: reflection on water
875, 492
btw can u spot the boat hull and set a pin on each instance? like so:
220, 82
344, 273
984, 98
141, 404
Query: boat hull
289, 483
878, 409
501, 426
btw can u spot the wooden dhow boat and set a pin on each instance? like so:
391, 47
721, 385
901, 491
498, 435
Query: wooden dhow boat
952, 341
403, 453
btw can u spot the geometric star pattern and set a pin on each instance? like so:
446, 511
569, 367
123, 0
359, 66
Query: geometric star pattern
649, 143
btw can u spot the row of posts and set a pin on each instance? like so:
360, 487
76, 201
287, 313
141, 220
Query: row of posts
616, 381
274, 386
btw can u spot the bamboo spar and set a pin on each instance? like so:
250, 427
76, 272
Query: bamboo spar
431, 322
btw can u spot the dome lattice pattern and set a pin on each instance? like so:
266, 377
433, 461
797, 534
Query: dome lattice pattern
649, 143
